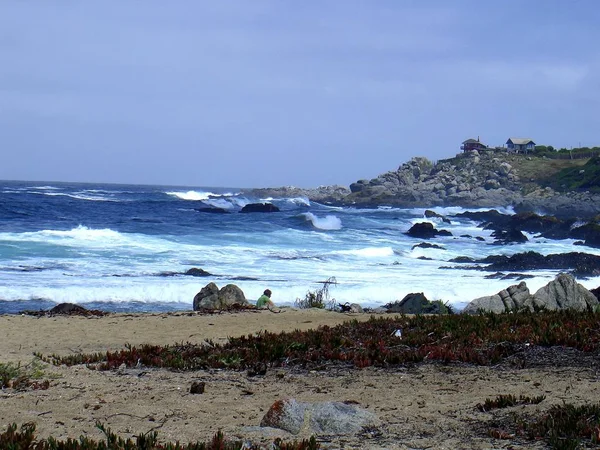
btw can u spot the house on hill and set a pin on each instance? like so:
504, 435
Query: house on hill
472, 144
520, 145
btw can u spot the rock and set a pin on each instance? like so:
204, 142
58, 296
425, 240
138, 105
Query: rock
197, 387
329, 418
427, 245
429, 214
195, 272
231, 294
512, 236
207, 297
564, 293
212, 210
583, 264
425, 230
417, 303
259, 207
211, 298
507, 300
350, 308
70, 309
259, 368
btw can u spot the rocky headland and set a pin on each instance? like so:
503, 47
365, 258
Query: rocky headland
470, 180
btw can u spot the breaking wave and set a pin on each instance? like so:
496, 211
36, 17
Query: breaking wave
328, 223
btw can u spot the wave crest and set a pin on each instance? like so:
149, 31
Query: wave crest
328, 223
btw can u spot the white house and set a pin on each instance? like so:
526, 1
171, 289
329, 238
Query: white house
520, 145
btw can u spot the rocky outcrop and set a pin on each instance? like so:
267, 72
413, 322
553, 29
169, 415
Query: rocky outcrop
489, 179
323, 194
329, 418
211, 298
562, 293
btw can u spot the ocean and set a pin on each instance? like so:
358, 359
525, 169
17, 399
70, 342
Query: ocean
125, 248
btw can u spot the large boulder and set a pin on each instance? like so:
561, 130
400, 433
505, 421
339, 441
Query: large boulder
211, 298
231, 294
511, 299
564, 293
333, 418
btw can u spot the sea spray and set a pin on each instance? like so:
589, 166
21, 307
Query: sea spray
329, 222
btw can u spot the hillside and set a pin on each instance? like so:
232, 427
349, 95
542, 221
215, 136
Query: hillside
564, 187
489, 179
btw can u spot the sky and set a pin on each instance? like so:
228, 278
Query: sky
266, 93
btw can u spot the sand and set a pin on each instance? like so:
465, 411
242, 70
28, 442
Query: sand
422, 406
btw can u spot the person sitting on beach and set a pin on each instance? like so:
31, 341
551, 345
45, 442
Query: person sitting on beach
264, 301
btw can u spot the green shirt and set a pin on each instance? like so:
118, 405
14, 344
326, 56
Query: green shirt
263, 301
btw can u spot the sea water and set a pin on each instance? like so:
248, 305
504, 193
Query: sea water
127, 247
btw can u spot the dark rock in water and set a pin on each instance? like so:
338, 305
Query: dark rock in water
462, 259
425, 258
592, 236
333, 418
425, 230
427, 245
504, 237
480, 238
197, 387
417, 303
259, 207
534, 223
212, 210
491, 216
429, 214
195, 272
508, 276
583, 263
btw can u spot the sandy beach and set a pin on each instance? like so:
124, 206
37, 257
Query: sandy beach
422, 406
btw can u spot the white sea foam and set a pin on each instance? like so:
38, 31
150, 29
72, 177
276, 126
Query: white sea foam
302, 201
45, 188
369, 252
79, 196
329, 222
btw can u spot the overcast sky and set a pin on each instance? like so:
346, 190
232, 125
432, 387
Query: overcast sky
251, 93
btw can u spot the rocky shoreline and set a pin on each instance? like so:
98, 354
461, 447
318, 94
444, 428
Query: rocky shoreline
473, 180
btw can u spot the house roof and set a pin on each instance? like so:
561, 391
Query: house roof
520, 141
470, 141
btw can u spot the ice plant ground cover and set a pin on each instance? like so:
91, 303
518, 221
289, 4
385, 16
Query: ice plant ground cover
481, 340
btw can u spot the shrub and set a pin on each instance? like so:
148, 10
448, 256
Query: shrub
319, 298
